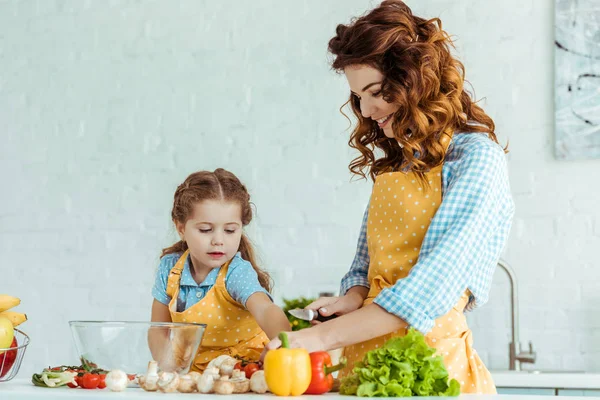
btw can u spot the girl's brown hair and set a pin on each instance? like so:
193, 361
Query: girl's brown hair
420, 75
218, 185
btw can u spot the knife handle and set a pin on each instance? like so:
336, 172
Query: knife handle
322, 318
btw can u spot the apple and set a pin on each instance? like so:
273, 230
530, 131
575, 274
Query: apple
7, 333
7, 359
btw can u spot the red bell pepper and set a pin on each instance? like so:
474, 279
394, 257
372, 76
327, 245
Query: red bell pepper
322, 381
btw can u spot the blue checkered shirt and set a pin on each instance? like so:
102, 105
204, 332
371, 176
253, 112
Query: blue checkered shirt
463, 243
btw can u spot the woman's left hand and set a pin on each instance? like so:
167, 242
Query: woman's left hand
305, 339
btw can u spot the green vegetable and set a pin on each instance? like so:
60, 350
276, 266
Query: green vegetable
297, 324
53, 379
404, 366
87, 364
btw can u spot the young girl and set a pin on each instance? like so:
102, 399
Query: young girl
211, 276
440, 208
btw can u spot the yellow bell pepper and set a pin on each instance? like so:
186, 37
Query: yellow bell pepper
287, 371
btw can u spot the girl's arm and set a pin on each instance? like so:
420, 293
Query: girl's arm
158, 338
160, 312
269, 316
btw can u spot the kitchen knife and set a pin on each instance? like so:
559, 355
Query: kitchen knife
309, 315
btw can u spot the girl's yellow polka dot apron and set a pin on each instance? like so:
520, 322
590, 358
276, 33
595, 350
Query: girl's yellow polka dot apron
230, 328
400, 212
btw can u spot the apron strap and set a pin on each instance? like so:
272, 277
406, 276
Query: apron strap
175, 275
220, 282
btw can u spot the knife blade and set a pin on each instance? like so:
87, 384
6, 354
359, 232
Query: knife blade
309, 315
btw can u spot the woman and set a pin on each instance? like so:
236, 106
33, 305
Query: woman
440, 210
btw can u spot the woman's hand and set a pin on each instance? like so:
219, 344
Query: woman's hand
327, 306
305, 339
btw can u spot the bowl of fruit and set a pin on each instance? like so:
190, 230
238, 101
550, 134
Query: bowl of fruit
13, 341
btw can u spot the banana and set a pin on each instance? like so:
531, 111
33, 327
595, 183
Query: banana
15, 317
7, 302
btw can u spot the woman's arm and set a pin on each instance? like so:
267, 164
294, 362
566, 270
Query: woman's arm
269, 316
359, 270
366, 323
354, 287
477, 205
463, 242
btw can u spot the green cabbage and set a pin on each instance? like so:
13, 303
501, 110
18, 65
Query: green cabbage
404, 366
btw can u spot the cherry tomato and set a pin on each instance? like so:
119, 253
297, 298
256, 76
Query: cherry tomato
73, 385
251, 369
90, 381
238, 366
78, 380
102, 383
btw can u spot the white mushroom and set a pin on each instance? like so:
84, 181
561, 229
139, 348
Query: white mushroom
187, 384
216, 362
238, 374
116, 380
258, 384
149, 382
195, 375
224, 386
227, 366
168, 382
205, 383
240, 383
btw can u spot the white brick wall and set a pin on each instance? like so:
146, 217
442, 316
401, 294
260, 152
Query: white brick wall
106, 106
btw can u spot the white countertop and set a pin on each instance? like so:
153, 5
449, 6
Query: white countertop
553, 380
22, 389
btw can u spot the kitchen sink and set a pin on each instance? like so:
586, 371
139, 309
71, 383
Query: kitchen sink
537, 371
552, 371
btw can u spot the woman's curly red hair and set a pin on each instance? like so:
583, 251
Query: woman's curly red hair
420, 75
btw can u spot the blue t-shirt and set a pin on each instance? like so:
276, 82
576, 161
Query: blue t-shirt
241, 282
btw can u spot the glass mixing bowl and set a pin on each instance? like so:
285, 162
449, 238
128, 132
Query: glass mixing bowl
130, 345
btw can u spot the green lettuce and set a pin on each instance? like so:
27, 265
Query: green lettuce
404, 366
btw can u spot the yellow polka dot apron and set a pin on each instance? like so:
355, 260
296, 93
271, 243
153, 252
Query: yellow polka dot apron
230, 328
400, 212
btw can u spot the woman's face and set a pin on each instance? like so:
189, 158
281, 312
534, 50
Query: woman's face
365, 83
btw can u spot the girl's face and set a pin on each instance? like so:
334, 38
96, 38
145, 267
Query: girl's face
365, 83
213, 233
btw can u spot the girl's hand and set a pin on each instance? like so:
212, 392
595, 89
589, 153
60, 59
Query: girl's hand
336, 305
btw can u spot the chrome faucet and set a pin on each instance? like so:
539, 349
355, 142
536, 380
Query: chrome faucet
516, 356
